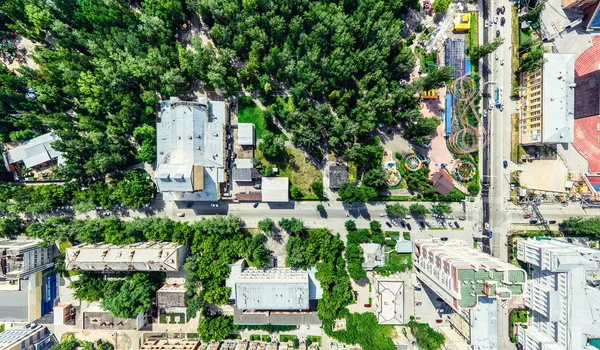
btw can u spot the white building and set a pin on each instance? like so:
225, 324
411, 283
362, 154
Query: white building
389, 300
191, 150
34, 152
246, 134
143, 256
373, 254
275, 189
459, 274
25, 293
562, 294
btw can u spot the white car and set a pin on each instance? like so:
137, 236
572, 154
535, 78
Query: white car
451, 217
491, 105
181, 215
496, 20
501, 107
440, 311
484, 113
497, 56
502, 62
214, 205
486, 226
487, 23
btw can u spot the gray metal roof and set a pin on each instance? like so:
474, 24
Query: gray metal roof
35, 151
558, 92
192, 133
373, 254
246, 134
174, 178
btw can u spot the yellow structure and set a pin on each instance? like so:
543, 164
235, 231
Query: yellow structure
531, 104
430, 94
462, 22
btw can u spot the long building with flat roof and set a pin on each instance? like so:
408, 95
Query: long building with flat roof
143, 256
191, 150
460, 274
563, 294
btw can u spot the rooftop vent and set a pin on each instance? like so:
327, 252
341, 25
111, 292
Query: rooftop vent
164, 177
179, 177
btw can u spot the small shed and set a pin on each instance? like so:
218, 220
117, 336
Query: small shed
275, 189
246, 134
403, 246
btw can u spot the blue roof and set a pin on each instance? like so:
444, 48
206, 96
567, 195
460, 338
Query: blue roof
467, 66
448, 121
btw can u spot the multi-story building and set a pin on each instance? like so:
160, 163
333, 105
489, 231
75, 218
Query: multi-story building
26, 293
547, 99
274, 295
191, 149
143, 256
27, 338
459, 274
562, 294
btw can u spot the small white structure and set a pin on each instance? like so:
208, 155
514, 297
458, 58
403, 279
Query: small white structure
246, 134
403, 246
373, 254
275, 189
389, 300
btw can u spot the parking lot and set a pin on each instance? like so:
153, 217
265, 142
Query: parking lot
428, 307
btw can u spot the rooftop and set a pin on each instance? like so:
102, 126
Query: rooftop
44, 340
35, 151
454, 55
587, 95
246, 134
145, 256
337, 176
442, 182
275, 189
373, 254
558, 91
190, 147
389, 301
170, 344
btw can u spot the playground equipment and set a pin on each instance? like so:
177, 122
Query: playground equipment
465, 136
413, 162
393, 175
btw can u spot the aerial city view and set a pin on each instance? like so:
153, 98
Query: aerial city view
299, 174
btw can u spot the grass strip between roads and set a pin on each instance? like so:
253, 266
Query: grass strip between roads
515, 52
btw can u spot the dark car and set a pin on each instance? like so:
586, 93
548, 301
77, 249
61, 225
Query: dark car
444, 239
498, 10
388, 224
533, 222
403, 223
544, 222
503, 9
422, 224
439, 321
418, 289
505, 164
497, 34
408, 226
552, 222
526, 216
255, 205
456, 224
502, 21
367, 305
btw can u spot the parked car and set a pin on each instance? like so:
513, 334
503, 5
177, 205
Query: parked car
497, 57
505, 164
491, 106
502, 21
407, 217
257, 186
418, 303
403, 223
552, 222
422, 224
181, 215
503, 10
439, 321
444, 239
456, 224
418, 289
497, 34
526, 216
367, 305
462, 218
255, 205
408, 226
501, 62
450, 217
388, 224
533, 222
498, 10
496, 20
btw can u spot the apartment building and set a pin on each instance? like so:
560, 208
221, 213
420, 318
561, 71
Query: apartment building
547, 102
562, 293
460, 274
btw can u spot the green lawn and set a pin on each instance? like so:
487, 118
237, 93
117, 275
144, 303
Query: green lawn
248, 112
295, 166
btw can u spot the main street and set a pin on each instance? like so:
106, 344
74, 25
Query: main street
497, 73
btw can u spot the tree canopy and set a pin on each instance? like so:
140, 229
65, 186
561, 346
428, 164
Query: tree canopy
396, 210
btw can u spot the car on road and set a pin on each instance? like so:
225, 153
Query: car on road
497, 56
490, 234
486, 226
502, 62
533, 222
501, 108
496, 20
422, 224
502, 21
408, 227
497, 34
439, 299
456, 224
526, 216
181, 215
439, 321
417, 318
486, 24
418, 303
552, 222
484, 113
388, 224
418, 289
505, 164
462, 218
444, 239
491, 105
214, 205
256, 205
257, 186
367, 305
498, 10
